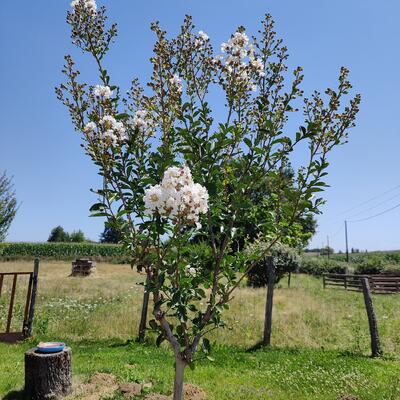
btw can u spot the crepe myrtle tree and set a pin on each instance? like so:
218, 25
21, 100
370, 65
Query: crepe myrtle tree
168, 166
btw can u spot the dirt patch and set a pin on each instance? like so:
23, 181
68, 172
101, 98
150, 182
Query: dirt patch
193, 392
157, 396
102, 385
99, 386
130, 390
101, 378
349, 397
190, 392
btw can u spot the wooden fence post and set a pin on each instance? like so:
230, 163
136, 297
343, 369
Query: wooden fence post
373, 327
289, 279
269, 303
32, 304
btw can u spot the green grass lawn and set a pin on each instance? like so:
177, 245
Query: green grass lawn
235, 373
320, 339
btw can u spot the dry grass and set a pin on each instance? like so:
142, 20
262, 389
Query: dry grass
108, 304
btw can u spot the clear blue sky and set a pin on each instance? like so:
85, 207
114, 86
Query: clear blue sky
52, 176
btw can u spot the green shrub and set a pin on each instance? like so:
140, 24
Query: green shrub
286, 260
391, 270
320, 265
372, 265
392, 258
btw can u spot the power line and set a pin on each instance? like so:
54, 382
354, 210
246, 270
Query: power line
366, 201
376, 215
375, 206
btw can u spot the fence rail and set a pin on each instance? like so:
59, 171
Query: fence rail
378, 283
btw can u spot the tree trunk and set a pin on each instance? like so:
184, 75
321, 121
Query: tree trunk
143, 317
47, 376
178, 382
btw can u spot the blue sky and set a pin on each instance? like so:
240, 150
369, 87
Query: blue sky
52, 176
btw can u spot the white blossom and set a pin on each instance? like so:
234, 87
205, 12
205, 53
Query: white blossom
90, 129
224, 47
143, 122
201, 39
176, 82
88, 4
258, 65
103, 91
153, 198
203, 36
217, 59
112, 131
190, 270
178, 196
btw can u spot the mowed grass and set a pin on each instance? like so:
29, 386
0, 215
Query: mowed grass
320, 338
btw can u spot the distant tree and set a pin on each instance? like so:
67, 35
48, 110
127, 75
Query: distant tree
8, 205
58, 234
322, 251
77, 236
111, 234
326, 251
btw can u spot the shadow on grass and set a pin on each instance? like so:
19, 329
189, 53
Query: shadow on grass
257, 346
15, 395
261, 346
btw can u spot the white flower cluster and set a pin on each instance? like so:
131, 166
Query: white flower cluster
142, 122
237, 50
102, 91
177, 196
237, 45
109, 132
201, 39
90, 5
176, 82
257, 65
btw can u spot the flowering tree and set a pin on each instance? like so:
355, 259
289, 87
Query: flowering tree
169, 166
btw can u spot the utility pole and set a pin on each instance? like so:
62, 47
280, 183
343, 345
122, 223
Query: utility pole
347, 243
327, 241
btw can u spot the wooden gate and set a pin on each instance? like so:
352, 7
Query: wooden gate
29, 309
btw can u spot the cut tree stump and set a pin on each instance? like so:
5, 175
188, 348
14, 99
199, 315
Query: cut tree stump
47, 376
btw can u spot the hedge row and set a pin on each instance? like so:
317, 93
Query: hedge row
319, 265
60, 251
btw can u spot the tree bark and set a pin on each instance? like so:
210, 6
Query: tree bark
143, 317
47, 376
180, 366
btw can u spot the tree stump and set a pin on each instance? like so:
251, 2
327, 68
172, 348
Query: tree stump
47, 376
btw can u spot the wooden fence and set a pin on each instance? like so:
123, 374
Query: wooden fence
29, 309
378, 283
